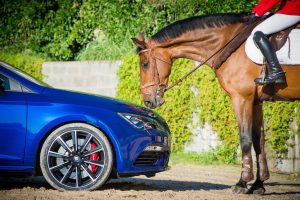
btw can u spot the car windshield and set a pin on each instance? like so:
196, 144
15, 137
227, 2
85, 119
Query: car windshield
23, 74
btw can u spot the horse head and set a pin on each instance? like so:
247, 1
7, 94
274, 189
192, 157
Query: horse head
155, 68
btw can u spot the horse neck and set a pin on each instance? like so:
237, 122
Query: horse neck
200, 44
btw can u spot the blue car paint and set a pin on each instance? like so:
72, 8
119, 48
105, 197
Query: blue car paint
13, 121
49, 108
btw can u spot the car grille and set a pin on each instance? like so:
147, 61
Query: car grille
148, 158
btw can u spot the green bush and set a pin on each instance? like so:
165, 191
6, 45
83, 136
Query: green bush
28, 63
105, 49
278, 117
216, 108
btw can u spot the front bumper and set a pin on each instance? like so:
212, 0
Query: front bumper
157, 155
150, 156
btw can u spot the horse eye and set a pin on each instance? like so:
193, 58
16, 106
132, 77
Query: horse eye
145, 64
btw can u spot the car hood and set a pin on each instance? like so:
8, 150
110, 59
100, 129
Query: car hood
78, 98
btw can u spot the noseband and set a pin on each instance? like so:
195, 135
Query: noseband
156, 78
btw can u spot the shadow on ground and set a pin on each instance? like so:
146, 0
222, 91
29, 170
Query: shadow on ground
162, 185
140, 184
122, 184
273, 184
17, 183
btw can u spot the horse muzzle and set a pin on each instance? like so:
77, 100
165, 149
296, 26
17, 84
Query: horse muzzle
154, 102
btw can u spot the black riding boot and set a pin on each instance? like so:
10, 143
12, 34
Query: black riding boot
275, 73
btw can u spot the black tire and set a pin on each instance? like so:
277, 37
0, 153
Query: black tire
76, 156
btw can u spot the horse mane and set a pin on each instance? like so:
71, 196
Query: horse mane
180, 27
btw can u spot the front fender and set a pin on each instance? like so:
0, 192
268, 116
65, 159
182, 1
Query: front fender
38, 130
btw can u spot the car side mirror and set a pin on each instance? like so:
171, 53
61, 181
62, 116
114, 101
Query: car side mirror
1, 87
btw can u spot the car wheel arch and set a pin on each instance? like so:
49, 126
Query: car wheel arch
37, 170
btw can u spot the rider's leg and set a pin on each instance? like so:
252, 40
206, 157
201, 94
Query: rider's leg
275, 23
275, 73
271, 25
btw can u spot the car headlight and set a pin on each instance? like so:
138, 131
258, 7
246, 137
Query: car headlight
142, 122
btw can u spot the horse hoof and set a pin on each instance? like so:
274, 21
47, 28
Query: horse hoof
239, 190
257, 190
260, 191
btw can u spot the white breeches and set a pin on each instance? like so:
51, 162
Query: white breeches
273, 24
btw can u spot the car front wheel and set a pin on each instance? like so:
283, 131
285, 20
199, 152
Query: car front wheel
76, 156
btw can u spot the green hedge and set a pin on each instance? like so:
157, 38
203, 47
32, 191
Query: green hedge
278, 118
211, 104
28, 63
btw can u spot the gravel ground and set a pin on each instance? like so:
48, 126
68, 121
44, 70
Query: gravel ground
180, 182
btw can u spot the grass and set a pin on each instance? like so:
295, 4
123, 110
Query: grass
192, 158
217, 156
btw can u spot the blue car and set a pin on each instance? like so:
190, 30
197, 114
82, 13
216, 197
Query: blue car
76, 141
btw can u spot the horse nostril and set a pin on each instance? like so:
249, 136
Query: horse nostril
148, 104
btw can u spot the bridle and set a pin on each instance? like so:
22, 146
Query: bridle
161, 87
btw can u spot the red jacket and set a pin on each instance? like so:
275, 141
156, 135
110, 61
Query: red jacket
287, 7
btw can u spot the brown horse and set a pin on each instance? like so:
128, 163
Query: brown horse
197, 38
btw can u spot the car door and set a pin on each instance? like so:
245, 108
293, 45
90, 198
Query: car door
13, 112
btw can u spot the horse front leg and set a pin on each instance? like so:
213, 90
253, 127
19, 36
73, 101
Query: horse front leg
258, 139
243, 108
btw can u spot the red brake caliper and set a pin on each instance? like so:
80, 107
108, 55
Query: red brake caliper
94, 156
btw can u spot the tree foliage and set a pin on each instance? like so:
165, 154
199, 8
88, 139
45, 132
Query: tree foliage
62, 29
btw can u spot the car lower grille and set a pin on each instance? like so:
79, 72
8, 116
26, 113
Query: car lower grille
147, 158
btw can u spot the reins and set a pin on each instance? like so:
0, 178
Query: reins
192, 71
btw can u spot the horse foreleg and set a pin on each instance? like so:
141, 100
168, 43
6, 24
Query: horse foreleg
258, 139
243, 108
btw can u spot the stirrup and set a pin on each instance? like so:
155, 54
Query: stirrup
278, 77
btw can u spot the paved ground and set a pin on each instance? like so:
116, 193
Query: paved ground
180, 182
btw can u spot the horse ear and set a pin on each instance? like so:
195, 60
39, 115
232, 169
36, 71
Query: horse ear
141, 37
139, 43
